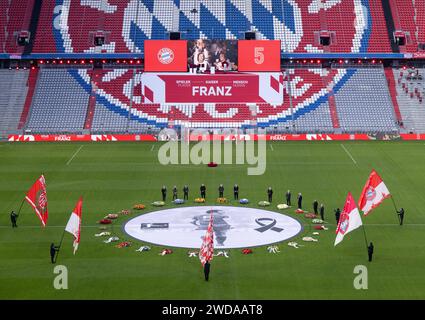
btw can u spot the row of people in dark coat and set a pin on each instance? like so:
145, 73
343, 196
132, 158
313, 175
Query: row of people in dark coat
202, 191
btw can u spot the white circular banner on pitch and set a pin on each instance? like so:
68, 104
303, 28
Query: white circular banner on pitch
234, 227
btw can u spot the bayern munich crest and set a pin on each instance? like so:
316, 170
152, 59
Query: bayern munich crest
370, 193
165, 55
139, 20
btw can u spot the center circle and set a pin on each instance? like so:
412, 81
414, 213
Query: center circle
234, 227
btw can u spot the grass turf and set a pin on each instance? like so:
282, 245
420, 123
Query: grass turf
114, 176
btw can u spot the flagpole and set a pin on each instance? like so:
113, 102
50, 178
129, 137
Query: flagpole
395, 207
365, 238
20, 207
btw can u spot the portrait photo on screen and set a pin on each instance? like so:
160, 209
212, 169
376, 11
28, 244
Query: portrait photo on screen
221, 54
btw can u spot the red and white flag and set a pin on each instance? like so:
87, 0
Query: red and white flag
349, 219
374, 192
74, 223
207, 249
37, 198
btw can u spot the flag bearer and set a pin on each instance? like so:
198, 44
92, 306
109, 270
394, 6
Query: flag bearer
322, 212
370, 251
53, 252
203, 190
207, 270
401, 216
288, 198
13, 218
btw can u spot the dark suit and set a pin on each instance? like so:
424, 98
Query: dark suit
186, 193
174, 193
207, 270
322, 213
288, 198
300, 202
337, 215
13, 219
236, 192
53, 251
370, 251
203, 191
270, 194
315, 207
220, 191
164, 193
401, 216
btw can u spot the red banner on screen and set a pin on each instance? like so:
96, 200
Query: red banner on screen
213, 88
165, 55
259, 55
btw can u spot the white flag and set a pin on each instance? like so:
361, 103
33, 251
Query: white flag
349, 220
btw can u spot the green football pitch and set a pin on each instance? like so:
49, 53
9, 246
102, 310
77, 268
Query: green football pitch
115, 176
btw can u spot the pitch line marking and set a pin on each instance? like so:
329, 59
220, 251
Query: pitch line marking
153, 146
271, 147
74, 155
349, 154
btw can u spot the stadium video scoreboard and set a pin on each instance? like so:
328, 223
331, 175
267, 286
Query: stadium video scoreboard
208, 55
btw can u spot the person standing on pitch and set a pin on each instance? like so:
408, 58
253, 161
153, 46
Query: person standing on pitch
322, 212
174, 192
315, 207
164, 193
186, 192
288, 198
370, 251
203, 191
236, 192
401, 216
270, 193
207, 267
14, 219
220, 191
337, 215
53, 251
300, 201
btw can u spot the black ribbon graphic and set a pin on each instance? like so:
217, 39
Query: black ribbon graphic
265, 227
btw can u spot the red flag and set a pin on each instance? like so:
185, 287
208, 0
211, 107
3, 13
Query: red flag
207, 249
74, 223
349, 219
374, 192
37, 198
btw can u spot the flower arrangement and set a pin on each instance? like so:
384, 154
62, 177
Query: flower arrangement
299, 211
263, 203
166, 251
111, 216
200, 200
310, 215
246, 251
178, 201
139, 206
158, 203
105, 221
244, 201
124, 244
221, 200
212, 164
282, 206
125, 212
317, 221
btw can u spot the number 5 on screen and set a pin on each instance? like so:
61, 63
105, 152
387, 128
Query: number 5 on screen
259, 55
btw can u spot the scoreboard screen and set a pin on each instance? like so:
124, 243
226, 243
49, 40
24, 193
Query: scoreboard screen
259, 55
